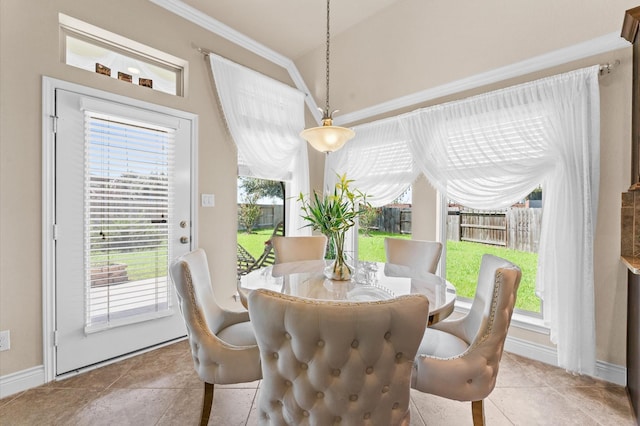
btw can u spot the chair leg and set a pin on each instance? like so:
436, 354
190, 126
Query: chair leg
477, 411
207, 401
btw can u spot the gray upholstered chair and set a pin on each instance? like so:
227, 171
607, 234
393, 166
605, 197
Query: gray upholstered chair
420, 256
222, 342
296, 249
330, 362
459, 359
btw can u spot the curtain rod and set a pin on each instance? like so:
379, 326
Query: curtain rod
604, 68
608, 67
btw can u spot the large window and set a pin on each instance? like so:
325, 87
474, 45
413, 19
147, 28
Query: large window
261, 210
512, 233
490, 150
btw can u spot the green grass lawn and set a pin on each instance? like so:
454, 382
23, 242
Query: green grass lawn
463, 262
254, 242
140, 264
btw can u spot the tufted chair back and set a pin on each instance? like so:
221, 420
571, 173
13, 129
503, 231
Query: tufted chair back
330, 362
420, 256
459, 359
297, 249
222, 342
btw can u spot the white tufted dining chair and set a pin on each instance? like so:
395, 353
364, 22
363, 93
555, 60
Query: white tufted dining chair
336, 362
222, 342
296, 249
420, 256
459, 359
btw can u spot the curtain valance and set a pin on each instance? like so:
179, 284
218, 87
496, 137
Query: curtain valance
265, 117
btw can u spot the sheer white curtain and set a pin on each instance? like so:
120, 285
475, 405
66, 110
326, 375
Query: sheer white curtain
378, 160
490, 151
265, 117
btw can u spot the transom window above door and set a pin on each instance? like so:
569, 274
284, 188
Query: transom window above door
94, 49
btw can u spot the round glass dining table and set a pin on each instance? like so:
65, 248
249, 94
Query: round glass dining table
370, 281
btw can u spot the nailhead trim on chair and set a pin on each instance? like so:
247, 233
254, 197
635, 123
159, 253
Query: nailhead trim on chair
304, 384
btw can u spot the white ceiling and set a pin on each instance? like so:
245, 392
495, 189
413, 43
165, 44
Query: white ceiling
289, 27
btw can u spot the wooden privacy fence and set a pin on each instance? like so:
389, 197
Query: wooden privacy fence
270, 215
515, 228
396, 220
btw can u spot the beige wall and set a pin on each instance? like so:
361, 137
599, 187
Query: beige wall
412, 47
29, 49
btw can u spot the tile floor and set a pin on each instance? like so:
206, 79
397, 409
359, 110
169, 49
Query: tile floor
161, 388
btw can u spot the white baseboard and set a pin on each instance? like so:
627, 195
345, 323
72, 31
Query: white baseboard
616, 374
26, 379
21, 381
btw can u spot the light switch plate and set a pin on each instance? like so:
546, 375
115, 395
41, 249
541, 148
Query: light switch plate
208, 200
5, 340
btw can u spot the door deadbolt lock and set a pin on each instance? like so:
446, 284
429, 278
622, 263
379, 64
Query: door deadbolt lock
184, 240
183, 224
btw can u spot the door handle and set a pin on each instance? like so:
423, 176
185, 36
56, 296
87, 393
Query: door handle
184, 240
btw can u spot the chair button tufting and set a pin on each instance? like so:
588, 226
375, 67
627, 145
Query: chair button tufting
355, 344
399, 355
275, 355
336, 372
305, 413
320, 395
366, 416
337, 419
287, 336
287, 383
320, 343
353, 398
387, 335
304, 366
385, 389
369, 370
395, 406
470, 381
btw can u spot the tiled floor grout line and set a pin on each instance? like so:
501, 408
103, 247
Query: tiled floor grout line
524, 386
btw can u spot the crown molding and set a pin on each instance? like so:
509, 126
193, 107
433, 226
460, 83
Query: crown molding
599, 45
603, 44
205, 21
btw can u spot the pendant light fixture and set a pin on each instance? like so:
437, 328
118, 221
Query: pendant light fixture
327, 138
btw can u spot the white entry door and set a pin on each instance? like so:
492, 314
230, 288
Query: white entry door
122, 213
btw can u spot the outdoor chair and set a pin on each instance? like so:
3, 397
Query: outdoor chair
247, 263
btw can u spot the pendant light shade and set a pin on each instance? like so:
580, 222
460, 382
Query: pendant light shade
327, 138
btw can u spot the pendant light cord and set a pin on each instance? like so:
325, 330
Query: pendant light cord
327, 113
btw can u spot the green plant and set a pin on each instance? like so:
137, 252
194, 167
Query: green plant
334, 214
249, 213
368, 219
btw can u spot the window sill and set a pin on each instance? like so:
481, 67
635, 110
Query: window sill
519, 320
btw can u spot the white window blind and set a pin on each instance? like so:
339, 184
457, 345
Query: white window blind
128, 201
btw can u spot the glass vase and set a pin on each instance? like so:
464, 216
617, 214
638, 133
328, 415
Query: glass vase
338, 269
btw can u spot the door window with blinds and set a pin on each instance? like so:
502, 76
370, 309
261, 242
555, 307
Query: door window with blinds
124, 194
128, 199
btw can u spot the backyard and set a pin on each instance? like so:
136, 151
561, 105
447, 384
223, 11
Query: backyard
463, 262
